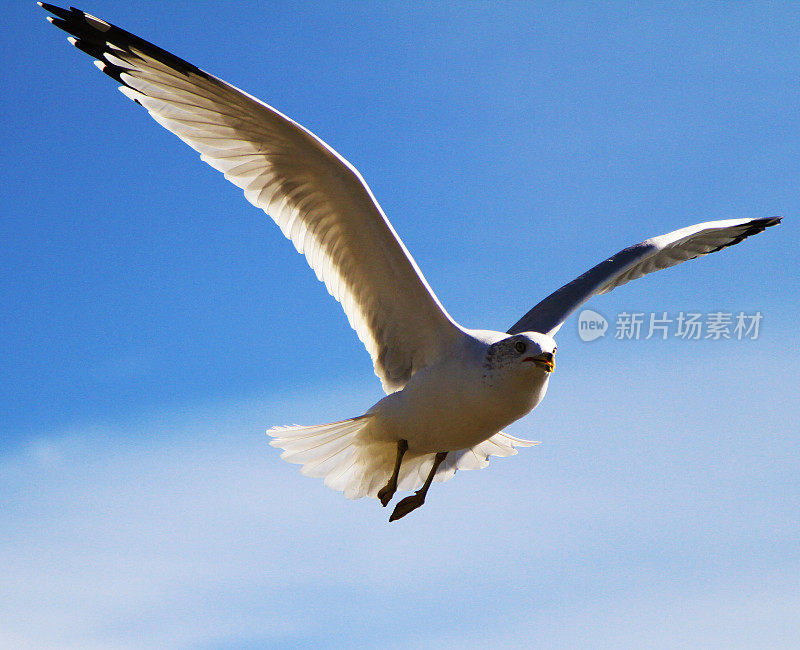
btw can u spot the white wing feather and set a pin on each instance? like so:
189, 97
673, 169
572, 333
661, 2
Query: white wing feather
318, 199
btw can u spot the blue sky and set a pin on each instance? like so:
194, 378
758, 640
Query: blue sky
155, 324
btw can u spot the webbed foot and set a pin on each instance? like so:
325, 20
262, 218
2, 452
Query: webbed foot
407, 505
387, 492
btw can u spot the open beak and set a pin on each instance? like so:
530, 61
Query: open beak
546, 361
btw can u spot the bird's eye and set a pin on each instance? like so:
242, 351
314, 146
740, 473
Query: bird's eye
519, 346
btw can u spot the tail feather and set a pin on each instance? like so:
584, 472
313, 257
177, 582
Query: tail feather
324, 466
345, 477
317, 454
320, 449
351, 461
339, 452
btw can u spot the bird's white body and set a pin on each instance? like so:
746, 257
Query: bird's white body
458, 401
458, 404
451, 390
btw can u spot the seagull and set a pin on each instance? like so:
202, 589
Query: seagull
450, 391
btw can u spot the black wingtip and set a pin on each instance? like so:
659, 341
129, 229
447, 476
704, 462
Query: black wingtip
59, 12
759, 225
94, 35
765, 222
755, 227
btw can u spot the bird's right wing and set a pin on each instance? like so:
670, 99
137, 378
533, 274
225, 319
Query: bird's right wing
318, 199
631, 263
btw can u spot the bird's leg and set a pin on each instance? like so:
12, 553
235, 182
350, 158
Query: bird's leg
418, 498
387, 491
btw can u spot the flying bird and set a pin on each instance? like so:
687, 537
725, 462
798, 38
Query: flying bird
450, 390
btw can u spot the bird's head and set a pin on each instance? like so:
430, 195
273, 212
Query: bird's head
528, 353
519, 367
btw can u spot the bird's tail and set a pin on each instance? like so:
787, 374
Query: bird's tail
333, 451
352, 461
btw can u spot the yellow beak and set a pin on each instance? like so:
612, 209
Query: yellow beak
546, 360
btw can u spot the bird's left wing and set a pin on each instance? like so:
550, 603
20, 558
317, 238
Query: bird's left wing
318, 199
631, 263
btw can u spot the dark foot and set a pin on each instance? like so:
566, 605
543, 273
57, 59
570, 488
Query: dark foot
387, 492
407, 505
